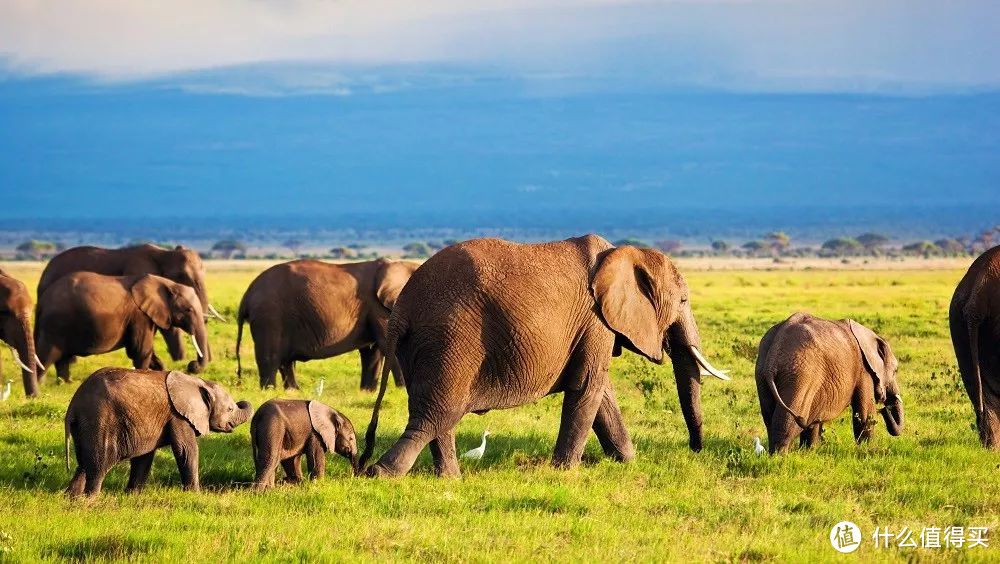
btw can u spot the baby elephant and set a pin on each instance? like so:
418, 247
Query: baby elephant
808, 371
119, 414
284, 430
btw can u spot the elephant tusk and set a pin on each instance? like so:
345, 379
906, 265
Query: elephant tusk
706, 367
39, 361
197, 349
17, 359
215, 314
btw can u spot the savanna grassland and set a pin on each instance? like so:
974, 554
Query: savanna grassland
722, 504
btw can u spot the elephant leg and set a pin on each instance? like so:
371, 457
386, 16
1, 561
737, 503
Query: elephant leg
174, 338
184, 445
266, 465
62, 369
371, 361
400, 458
782, 432
315, 459
579, 412
862, 411
95, 480
76, 485
610, 428
155, 363
444, 455
138, 473
810, 437
293, 469
267, 370
288, 375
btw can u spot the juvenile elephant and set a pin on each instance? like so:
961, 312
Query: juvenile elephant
118, 414
810, 369
308, 309
489, 324
974, 318
180, 264
284, 430
85, 313
15, 329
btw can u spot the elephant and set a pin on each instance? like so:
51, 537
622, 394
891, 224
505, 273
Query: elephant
284, 430
974, 320
809, 369
309, 309
490, 324
15, 329
179, 264
119, 414
85, 313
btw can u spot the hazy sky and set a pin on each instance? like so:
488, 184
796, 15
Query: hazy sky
803, 45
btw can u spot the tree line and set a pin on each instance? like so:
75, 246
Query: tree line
776, 244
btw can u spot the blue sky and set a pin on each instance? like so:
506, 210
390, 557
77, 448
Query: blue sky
737, 45
584, 114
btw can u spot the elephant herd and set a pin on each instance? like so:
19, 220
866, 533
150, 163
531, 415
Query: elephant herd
481, 325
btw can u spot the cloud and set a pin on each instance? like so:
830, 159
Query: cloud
729, 44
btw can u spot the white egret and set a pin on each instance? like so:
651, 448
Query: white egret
758, 448
478, 452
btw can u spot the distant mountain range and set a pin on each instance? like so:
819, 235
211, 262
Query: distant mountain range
498, 155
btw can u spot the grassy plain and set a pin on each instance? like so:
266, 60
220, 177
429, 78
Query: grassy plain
723, 504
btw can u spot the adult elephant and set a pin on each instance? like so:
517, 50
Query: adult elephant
15, 329
974, 318
308, 309
85, 313
180, 264
490, 324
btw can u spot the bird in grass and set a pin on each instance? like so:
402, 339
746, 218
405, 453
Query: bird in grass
478, 452
5, 394
758, 448
319, 387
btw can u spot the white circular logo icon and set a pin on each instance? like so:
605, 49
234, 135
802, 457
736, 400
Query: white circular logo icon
845, 537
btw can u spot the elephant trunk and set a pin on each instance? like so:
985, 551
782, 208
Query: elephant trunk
683, 342
892, 412
199, 338
241, 416
20, 337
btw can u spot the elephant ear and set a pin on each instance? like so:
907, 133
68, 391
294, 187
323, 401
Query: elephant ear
871, 346
389, 281
623, 290
322, 416
190, 398
153, 298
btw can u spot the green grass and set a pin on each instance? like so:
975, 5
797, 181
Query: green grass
723, 504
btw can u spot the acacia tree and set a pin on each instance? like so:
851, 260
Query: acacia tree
668, 246
841, 246
38, 250
778, 241
872, 242
720, 247
229, 247
293, 245
416, 249
754, 248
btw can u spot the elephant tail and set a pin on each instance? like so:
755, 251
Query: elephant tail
769, 378
240, 318
972, 311
66, 440
977, 377
373, 424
